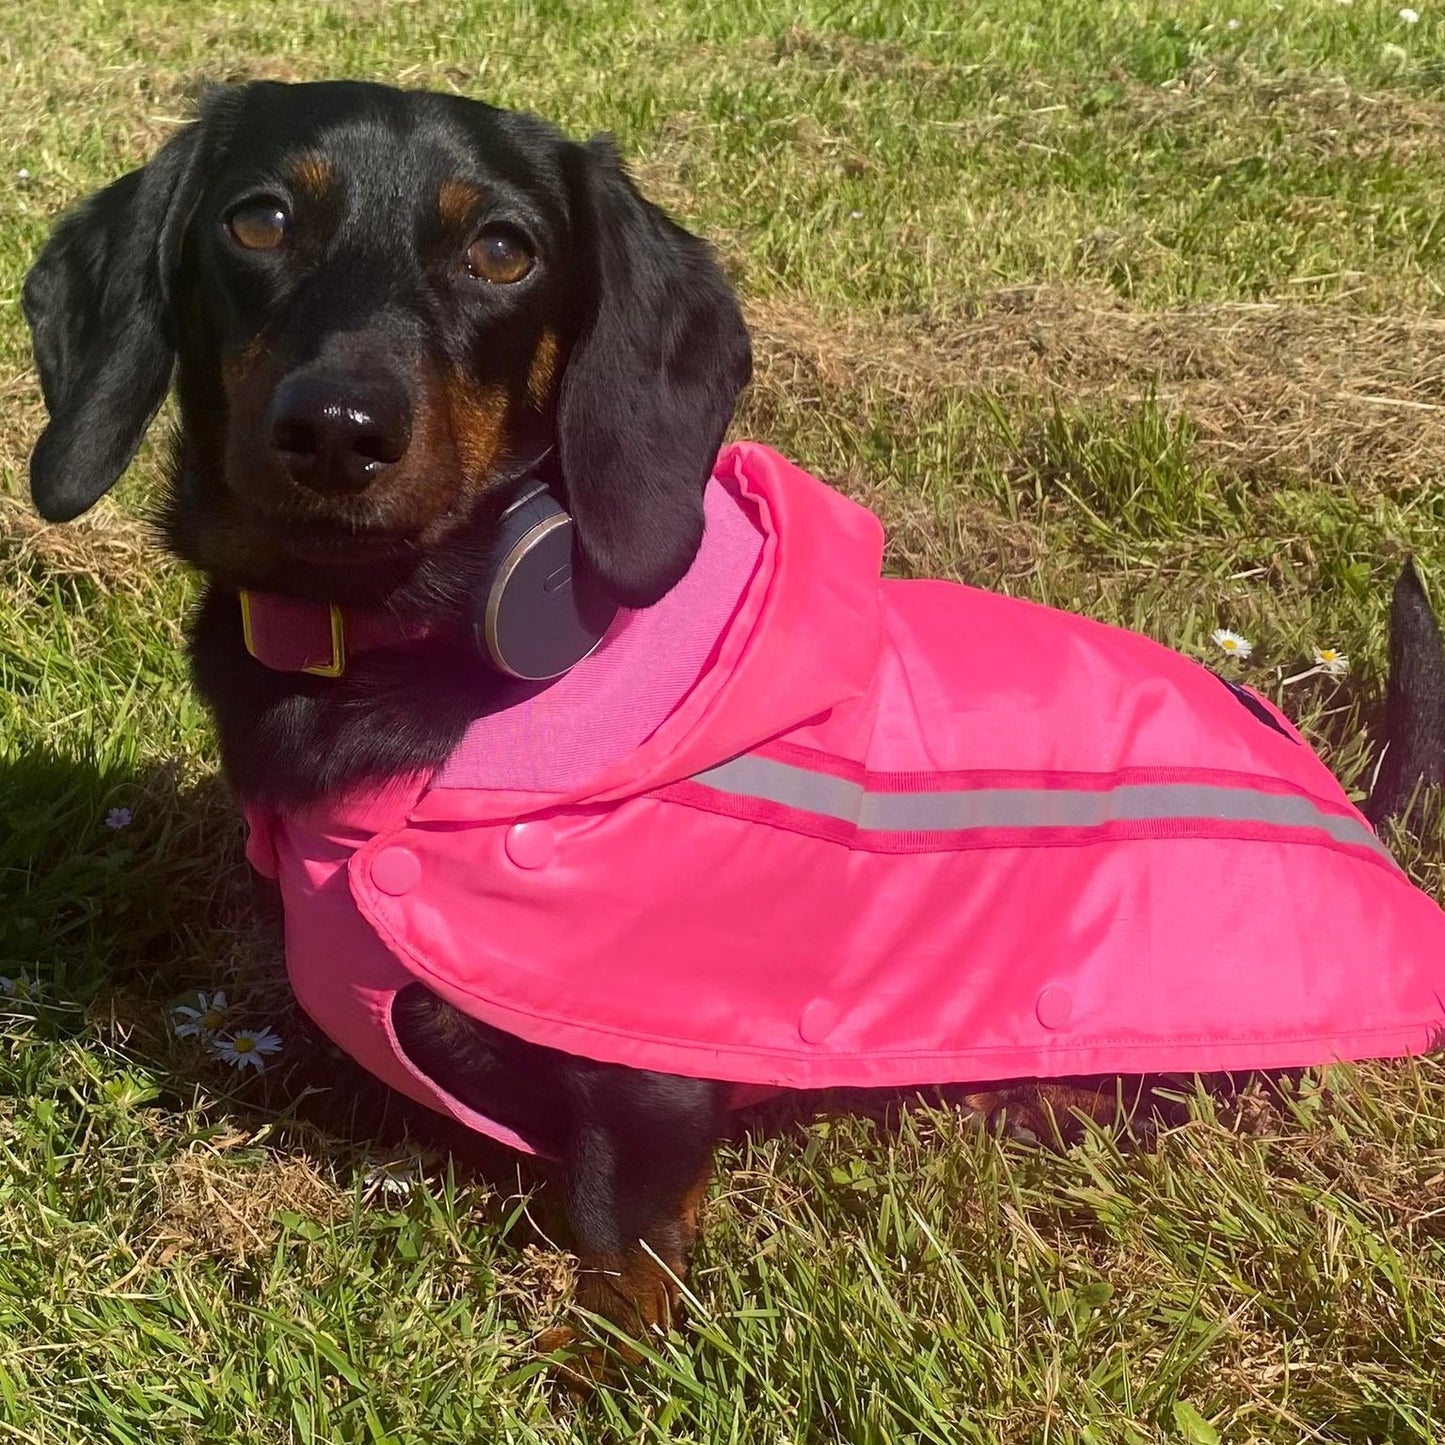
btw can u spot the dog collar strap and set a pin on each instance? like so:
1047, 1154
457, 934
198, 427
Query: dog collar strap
292, 634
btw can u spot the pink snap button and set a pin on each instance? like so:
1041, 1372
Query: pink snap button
396, 870
818, 1020
530, 845
1054, 1007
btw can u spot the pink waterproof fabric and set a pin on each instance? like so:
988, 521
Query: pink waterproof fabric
895, 833
610, 703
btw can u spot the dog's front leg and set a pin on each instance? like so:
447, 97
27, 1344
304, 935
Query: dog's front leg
634, 1175
635, 1150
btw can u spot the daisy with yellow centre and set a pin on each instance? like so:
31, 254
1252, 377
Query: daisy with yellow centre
1331, 661
203, 1018
247, 1048
400, 1178
1232, 643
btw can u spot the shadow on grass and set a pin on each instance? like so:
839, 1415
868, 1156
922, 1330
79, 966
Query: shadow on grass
111, 926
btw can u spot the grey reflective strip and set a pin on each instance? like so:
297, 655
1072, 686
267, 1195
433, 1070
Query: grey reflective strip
961, 809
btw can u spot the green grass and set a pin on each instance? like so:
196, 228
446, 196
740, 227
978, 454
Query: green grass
1099, 302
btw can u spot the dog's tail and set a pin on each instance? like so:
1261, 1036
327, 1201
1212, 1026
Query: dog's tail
1414, 754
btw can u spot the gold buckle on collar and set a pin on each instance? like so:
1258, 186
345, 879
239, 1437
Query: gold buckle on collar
333, 668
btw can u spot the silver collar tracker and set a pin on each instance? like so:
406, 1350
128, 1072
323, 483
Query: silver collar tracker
538, 616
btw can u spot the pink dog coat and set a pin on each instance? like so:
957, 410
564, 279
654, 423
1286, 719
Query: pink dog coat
799, 827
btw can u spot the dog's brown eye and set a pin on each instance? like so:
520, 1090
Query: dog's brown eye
499, 256
261, 226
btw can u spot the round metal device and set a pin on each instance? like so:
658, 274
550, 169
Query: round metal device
538, 617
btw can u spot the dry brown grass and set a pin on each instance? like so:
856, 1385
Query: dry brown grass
206, 1205
106, 546
1269, 386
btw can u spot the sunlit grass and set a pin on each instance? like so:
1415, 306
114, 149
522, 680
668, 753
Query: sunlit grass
1113, 305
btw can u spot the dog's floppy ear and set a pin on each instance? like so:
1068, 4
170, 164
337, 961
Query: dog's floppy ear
98, 303
650, 385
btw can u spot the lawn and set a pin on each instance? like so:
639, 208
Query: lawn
1131, 308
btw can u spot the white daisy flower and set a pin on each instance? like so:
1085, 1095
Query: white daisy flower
246, 1048
205, 1016
1231, 24
399, 1179
1409, 16
118, 818
22, 174
1232, 643
1331, 661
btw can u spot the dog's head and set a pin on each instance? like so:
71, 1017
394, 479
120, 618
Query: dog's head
380, 306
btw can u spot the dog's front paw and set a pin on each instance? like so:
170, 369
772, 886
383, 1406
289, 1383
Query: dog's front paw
582, 1364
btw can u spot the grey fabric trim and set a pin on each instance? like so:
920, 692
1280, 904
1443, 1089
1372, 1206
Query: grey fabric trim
962, 809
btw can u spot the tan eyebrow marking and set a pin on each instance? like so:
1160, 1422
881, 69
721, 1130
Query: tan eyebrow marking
313, 174
457, 200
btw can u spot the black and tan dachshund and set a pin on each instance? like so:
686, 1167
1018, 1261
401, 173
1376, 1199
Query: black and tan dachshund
381, 310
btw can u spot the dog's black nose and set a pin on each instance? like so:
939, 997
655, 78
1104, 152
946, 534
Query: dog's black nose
339, 433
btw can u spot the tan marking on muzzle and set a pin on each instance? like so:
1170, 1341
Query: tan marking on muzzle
239, 368
479, 419
543, 370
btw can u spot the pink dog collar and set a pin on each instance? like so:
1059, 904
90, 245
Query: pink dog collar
293, 634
